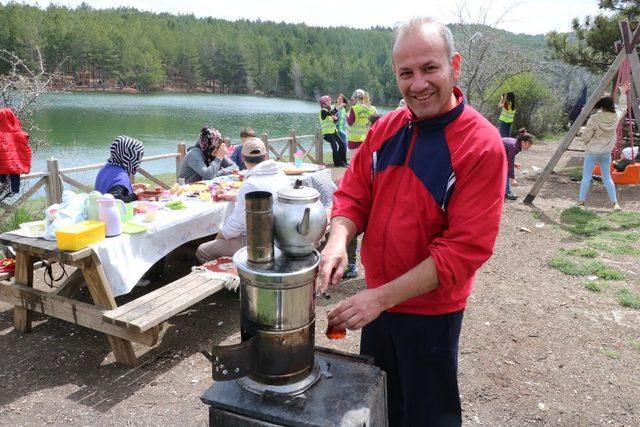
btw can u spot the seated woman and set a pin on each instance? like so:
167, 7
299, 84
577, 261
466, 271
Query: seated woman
207, 158
124, 160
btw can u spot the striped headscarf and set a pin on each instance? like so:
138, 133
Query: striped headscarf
126, 152
209, 138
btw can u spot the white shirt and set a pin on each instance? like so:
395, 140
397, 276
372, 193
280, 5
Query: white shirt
628, 154
264, 176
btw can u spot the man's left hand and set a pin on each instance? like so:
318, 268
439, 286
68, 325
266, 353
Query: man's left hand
356, 311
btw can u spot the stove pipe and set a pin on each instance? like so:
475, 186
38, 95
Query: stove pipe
259, 209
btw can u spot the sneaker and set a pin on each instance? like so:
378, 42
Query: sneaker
616, 207
510, 196
580, 204
351, 272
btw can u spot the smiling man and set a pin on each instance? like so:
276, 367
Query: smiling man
426, 188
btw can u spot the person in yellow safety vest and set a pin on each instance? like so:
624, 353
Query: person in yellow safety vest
328, 118
367, 102
357, 121
508, 105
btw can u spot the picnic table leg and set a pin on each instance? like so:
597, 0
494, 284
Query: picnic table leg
24, 277
102, 297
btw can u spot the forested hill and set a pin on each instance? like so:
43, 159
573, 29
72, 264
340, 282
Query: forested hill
152, 51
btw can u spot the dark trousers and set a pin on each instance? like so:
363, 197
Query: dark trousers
338, 148
352, 251
505, 129
420, 356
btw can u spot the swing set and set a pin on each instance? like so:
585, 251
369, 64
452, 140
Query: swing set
631, 174
626, 66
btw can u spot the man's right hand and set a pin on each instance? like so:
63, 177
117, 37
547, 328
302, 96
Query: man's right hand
332, 264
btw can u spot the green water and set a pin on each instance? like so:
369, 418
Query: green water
81, 126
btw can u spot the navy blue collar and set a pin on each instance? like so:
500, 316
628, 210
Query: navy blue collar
446, 118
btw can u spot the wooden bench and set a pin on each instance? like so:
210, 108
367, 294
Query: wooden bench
150, 310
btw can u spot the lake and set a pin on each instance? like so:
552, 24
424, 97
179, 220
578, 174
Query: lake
81, 126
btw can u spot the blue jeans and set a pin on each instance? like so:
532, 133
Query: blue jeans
604, 160
508, 186
505, 129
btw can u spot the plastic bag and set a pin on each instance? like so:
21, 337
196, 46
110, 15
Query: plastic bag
59, 215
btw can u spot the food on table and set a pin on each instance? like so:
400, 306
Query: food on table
176, 205
150, 216
142, 207
175, 188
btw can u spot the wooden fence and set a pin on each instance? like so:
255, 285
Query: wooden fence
53, 178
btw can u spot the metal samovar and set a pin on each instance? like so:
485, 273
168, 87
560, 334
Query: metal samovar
277, 289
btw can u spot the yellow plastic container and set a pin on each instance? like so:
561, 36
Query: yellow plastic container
80, 235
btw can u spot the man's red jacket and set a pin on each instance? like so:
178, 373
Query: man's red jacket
430, 188
15, 153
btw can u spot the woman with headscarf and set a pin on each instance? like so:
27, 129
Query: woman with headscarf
207, 158
124, 160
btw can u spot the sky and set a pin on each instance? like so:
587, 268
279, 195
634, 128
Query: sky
525, 16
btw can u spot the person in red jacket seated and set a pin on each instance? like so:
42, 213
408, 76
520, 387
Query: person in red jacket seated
426, 188
15, 153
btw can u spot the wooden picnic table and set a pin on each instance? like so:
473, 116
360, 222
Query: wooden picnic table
139, 320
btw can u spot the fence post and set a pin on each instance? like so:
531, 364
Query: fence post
265, 139
292, 145
319, 147
53, 187
182, 151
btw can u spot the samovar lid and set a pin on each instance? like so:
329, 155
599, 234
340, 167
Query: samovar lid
298, 193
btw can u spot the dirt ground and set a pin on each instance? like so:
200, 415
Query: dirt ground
536, 346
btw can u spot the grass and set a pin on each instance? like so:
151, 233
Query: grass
622, 236
635, 345
20, 215
627, 298
625, 219
611, 354
583, 223
591, 268
566, 266
581, 252
575, 174
593, 286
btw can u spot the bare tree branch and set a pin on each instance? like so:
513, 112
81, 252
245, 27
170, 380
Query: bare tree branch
22, 87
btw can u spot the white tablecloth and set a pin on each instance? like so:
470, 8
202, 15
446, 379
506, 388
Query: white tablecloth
125, 258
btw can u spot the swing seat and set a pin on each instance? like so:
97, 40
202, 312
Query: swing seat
630, 175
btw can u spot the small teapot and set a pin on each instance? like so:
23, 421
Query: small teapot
109, 213
300, 220
90, 206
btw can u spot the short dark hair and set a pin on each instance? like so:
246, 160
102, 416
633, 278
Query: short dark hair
254, 160
606, 104
523, 135
247, 133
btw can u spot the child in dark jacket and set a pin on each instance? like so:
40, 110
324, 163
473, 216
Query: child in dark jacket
513, 146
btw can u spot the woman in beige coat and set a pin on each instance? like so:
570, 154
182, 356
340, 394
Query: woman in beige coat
599, 136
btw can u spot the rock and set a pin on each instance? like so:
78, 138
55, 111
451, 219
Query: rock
525, 229
542, 406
